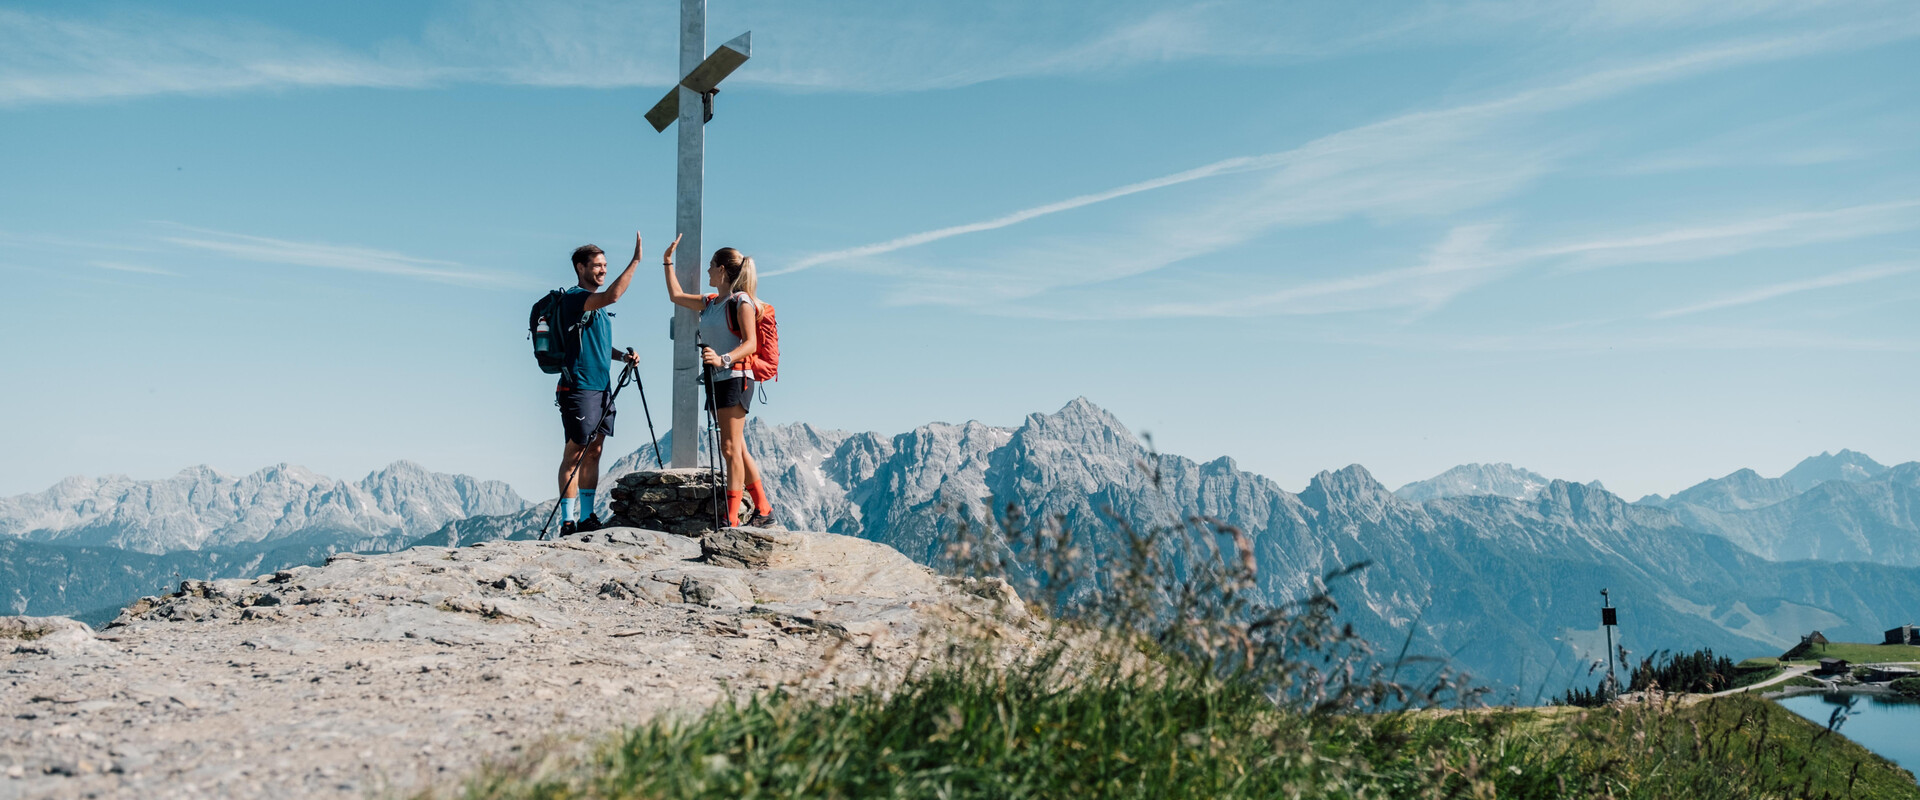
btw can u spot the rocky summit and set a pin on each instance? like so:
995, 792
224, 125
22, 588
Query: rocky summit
392, 672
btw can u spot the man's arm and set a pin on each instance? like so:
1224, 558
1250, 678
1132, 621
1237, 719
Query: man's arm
599, 300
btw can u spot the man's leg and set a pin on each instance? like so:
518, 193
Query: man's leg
570, 467
590, 478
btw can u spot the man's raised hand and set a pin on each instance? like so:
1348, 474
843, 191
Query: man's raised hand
636, 247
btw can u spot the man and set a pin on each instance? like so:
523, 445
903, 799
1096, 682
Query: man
586, 410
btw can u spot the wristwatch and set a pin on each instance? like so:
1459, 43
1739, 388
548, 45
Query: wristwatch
726, 361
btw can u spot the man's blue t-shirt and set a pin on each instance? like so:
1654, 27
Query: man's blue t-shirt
590, 364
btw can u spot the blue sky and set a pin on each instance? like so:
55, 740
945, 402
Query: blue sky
1645, 242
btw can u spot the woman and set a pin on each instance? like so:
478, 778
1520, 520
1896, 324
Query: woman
726, 345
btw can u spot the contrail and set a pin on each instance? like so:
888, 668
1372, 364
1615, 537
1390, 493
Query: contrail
1227, 167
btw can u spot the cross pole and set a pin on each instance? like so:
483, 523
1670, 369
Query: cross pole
690, 102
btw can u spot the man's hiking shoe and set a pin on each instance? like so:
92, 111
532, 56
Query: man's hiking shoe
568, 527
762, 521
591, 523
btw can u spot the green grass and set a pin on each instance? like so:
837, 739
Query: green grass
1858, 653
982, 735
1746, 673
1169, 675
1801, 680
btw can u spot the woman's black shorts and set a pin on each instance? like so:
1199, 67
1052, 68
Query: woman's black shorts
731, 392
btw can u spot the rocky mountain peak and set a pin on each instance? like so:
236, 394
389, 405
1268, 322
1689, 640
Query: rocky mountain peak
1740, 489
1083, 424
1588, 506
1846, 465
1351, 488
200, 472
1500, 480
401, 469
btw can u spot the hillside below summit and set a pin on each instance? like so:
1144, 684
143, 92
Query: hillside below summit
389, 672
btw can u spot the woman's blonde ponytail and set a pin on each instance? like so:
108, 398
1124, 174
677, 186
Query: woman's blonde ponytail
745, 280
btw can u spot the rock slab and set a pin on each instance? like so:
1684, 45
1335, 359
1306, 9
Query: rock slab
388, 673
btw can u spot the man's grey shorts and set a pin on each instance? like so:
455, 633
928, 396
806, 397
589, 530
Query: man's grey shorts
584, 414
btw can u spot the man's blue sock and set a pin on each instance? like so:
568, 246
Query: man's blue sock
569, 509
587, 508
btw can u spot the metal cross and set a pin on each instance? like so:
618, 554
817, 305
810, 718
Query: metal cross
690, 102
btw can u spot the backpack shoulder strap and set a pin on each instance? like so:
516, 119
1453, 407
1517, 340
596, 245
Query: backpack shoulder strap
733, 311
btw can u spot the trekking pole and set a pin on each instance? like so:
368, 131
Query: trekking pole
713, 436
642, 386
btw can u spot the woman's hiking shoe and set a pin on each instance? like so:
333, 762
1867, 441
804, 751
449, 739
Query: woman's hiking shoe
762, 521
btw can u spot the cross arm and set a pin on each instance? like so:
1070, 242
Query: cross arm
703, 79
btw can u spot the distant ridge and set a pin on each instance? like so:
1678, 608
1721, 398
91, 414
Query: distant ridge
1832, 507
200, 508
1846, 465
1506, 587
1499, 480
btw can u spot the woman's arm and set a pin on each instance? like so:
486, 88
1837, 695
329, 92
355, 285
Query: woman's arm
676, 294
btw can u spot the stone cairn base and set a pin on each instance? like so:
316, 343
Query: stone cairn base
673, 500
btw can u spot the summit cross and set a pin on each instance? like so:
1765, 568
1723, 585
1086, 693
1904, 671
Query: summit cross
690, 102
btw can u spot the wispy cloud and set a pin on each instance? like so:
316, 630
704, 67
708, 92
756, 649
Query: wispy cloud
1224, 167
1772, 291
1724, 238
121, 266
1705, 338
1470, 256
331, 256
137, 53
1424, 163
858, 45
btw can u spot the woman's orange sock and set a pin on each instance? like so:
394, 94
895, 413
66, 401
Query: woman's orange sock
760, 503
733, 508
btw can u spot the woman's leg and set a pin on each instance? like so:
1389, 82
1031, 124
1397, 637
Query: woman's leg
733, 445
733, 449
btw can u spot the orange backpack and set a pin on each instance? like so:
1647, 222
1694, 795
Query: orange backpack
765, 361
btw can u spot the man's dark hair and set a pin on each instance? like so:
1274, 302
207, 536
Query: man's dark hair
583, 255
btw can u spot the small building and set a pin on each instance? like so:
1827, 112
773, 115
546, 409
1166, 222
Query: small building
1805, 647
1882, 674
1905, 634
1832, 666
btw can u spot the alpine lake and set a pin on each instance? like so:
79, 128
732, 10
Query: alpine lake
1886, 726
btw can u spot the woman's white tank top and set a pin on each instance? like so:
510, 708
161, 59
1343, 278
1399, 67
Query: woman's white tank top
717, 334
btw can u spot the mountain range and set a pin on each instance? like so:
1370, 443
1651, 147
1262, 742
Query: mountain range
1497, 576
89, 545
1466, 480
1832, 507
1496, 569
201, 508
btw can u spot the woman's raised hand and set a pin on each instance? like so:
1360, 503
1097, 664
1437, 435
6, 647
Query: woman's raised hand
668, 257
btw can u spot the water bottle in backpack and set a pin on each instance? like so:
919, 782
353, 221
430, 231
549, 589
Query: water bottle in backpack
543, 327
